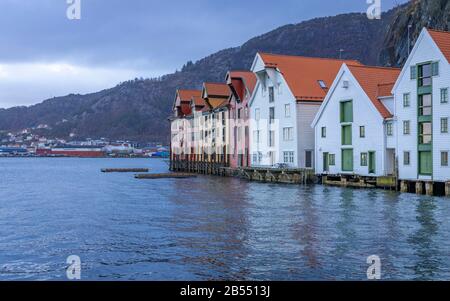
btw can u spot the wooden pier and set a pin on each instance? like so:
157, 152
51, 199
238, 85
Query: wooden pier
109, 170
165, 176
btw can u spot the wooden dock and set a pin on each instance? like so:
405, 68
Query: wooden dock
107, 170
165, 176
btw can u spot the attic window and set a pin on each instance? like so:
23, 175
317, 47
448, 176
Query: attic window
322, 84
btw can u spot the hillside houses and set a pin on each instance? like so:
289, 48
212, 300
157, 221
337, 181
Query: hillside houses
359, 124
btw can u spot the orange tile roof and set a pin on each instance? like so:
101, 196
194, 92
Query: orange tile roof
217, 89
216, 103
248, 77
303, 73
442, 39
186, 95
198, 101
375, 81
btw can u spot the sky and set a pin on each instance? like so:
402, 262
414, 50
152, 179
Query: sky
43, 54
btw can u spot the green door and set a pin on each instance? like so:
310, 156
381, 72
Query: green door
326, 163
372, 162
347, 160
425, 163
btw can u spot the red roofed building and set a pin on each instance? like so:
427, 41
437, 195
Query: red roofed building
288, 94
354, 129
241, 85
423, 110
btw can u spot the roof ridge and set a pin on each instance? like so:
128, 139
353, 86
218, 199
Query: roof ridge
215, 83
310, 57
376, 67
438, 30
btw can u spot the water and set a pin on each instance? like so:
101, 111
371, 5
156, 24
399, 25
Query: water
208, 228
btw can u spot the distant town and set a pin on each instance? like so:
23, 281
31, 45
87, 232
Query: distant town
26, 143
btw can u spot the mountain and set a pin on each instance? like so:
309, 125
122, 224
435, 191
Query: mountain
420, 13
138, 109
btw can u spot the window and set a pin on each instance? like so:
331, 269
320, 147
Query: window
332, 159
346, 135
287, 110
444, 95
256, 136
362, 131
271, 115
271, 95
389, 128
363, 159
425, 163
347, 160
347, 111
406, 100
257, 114
288, 157
239, 113
324, 132
425, 133
406, 127
425, 105
406, 158
271, 138
288, 134
435, 68
308, 159
322, 84
413, 72
444, 125
444, 158
224, 136
424, 73
223, 118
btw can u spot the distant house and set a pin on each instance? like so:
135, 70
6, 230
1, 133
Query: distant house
179, 122
354, 129
422, 109
288, 94
213, 127
242, 85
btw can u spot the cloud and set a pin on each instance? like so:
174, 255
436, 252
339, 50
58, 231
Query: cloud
135, 37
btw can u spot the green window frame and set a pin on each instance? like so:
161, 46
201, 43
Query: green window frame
425, 75
406, 100
444, 158
435, 69
346, 135
425, 163
364, 159
425, 133
425, 105
389, 128
406, 158
406, 127
347, 159
362, 131
444, 95
346, 111
332, 159
324, 132
413, 72
444, 125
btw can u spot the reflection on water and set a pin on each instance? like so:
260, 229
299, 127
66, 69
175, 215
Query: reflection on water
208, 228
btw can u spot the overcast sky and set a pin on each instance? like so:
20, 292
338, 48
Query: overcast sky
43, 54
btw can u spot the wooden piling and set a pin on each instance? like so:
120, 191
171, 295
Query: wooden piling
419, 187
403, 186
429, 188
447, 189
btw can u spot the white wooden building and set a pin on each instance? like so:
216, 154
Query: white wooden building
353, 128
422, 110
289, 92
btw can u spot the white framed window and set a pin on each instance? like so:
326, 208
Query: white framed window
288, 134
256, 136
288, 157
287, 110
444, 95
271, 138
444, 158
406, 127
257, 114
406, 100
